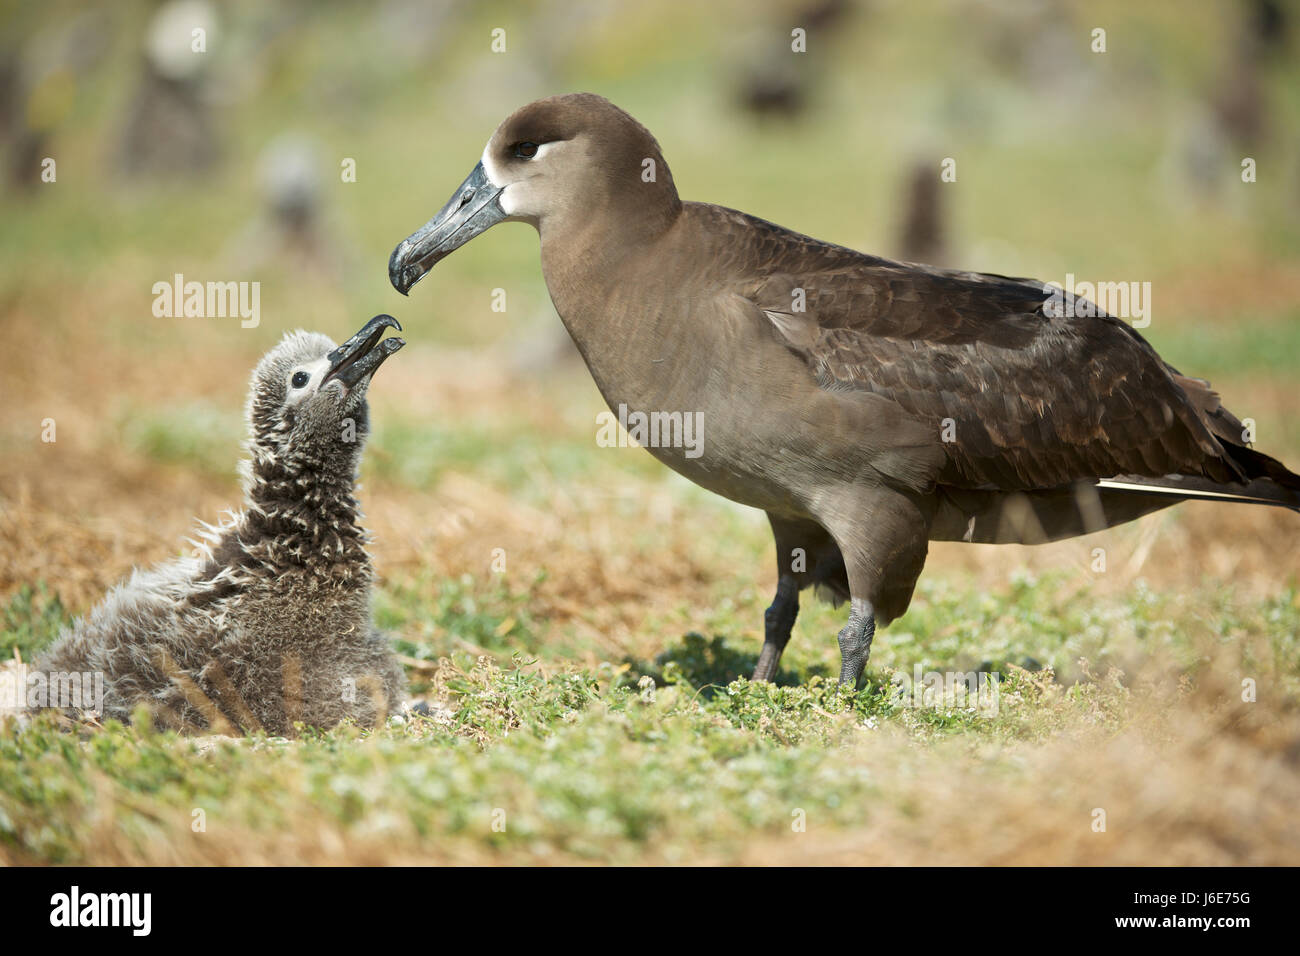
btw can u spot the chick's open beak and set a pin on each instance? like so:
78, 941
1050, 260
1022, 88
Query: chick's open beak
359, 356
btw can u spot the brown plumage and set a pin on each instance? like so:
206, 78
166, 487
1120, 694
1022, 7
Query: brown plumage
866, 405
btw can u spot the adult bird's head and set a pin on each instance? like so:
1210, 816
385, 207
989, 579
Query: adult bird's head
566, 164
307, 407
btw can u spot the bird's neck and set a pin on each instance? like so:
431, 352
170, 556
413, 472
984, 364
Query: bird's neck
310, 510
613, 302
589, 245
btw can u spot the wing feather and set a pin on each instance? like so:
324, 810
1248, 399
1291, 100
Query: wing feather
1031, 399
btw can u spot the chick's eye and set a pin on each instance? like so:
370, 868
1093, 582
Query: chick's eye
300, 379
525, 150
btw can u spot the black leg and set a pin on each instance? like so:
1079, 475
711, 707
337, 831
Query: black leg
778, 621
855, 641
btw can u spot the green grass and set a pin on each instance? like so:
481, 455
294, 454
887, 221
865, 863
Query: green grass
482, 616
1231, 346
629, 760
415, 453
30, 619
587, 762
196, 435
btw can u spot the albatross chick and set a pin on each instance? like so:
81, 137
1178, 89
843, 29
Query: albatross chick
269, 623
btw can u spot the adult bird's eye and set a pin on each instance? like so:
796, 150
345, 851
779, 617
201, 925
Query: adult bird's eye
300, 379
525, 150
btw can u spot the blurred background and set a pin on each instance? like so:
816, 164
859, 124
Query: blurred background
231, 164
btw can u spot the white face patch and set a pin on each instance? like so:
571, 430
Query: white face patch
317, 370
493, 174
511, 201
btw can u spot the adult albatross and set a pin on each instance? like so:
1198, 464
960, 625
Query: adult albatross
868, 406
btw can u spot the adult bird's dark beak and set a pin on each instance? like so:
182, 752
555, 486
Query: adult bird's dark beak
360, 355
473, 208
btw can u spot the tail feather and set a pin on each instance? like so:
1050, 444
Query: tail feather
1264, 480
1258, 491
1259, 465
